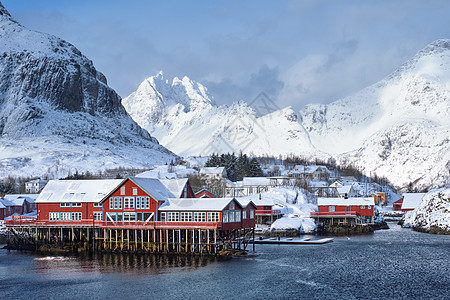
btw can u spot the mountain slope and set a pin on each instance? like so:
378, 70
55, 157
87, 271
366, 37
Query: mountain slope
398, 128
56, 109
185, 119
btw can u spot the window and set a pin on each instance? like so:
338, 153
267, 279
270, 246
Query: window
186, 216
53, 216
163, 217
122, 190
129, 217
134, 191
231, 216
252, 214
98, 215
138, 202
232, 206
363, 207
244, 214
172, 216
77, 216
98, 204
66, 215
115, 203
369, 207
76, 205
145, 203
331, 208
64, 204
225, 217
128, 202
237, 216
185, 191
199, 216
213, 217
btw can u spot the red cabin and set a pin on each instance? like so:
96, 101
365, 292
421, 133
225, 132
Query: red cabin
135, 199
68, 200
205, 194
397, 205
344, 210
226, 213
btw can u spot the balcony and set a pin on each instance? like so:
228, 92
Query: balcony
330, 214
268, 212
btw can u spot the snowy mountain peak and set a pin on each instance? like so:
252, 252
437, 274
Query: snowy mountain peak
55, 105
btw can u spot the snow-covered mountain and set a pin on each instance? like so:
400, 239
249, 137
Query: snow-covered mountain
398, 128
57, 112
185, 119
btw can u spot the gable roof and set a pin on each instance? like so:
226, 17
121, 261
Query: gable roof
37, 181
344, 189
175, 186
1, 205
212, 170
202, 190
256, 181
412, 200
349, 201
58, 191
197, 204
246, 202
154, 187
17, 199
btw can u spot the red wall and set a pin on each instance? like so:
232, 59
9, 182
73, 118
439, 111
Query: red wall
205, 193
86, 209
190, 191
323, 209
249, 223
129, 185
2, 213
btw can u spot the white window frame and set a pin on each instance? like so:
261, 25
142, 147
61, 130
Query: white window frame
66, 216
173, 216
237, 216
252, 214
199, 216
122, 191
331, 208
98, 216
97, 204
135, 191
362, 207
163, 217
186, 216
213, 216
231, 217
128, 202
78, 216
53, 216
225, 217
244, 215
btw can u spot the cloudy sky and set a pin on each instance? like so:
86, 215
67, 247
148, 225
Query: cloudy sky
298, 52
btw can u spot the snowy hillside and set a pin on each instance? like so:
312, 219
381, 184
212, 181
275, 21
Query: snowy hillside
178, 112
433, 211
57, 111
398, 128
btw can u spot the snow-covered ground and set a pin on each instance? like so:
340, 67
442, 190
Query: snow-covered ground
433, 211
302, 224
168, 172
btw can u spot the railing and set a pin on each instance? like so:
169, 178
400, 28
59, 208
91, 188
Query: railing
112, 224
333, 214
267, 212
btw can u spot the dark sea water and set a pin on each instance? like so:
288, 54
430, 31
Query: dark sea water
390, 264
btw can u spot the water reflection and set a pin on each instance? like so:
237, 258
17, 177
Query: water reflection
130, 263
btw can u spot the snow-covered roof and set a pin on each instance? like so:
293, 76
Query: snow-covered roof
57, 191
412, 200
175, 185
256, 181
196, 204
344, 189
346, 202
245, 202
18, 199
1, 205
266, 200
37, 181
154, 187
212, 170
310, 169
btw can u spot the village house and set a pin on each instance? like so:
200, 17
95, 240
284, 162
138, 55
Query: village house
397, 205
267, 211
347, 191
35, 186
411, 201
205, 193
67, 200
213, 172
19, 204
312, 172
351, 211
2, 211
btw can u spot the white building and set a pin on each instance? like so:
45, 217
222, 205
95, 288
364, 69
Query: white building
35, 186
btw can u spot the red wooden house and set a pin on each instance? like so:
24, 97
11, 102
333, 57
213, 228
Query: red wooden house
67, 200
204, 193
2, 211
19, 204
227, 213
348, 211
135, 199
397, 205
